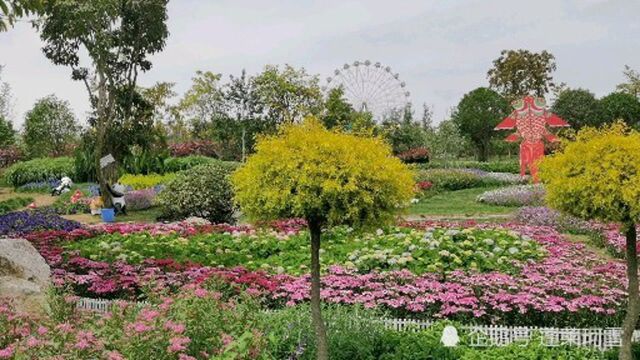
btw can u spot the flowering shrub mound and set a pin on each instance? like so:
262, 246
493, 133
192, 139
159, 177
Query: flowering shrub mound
543, 216
417, 155
196, 323
9, 156
203, 147
28, 221
520, 195
140, 199
437, 250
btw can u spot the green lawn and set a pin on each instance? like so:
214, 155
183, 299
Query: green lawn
460, 203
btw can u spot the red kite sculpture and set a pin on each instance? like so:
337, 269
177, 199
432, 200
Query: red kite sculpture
530, 119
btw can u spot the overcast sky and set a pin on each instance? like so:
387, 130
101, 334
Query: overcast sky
441, 49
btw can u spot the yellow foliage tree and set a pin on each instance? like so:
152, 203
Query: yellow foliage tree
597, 176
326, 177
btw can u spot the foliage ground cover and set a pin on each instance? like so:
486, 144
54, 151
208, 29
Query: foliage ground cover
14, 204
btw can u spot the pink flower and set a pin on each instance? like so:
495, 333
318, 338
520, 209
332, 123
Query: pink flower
42, 330
200, 292
114, 355
7, 352
185, 357
178, 343
33, 342
174, 327
226, 339
141, 327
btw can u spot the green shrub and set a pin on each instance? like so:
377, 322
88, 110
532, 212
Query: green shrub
450, 179
39, 170
139, 182
14, 204
204, 191
175, 164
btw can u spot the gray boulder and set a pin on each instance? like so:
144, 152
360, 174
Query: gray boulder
24, 275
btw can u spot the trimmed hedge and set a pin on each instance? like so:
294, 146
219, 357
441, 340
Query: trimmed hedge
450, 179
139, 182
175, 164
508, 166
37, 170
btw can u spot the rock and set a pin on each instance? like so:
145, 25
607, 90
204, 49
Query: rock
24, 275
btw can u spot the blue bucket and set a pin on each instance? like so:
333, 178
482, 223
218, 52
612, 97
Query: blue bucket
108, 215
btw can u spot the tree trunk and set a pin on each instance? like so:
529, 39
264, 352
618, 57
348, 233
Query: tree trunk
483, 150
633, 306
316, 312
102, 123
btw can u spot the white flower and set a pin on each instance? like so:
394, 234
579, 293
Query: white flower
444, 253
497, 249
513, 250
379, 232
489, 242
415, 201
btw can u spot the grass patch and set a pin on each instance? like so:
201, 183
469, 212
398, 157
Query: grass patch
458, 203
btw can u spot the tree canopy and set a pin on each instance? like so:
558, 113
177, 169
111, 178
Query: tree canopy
579, 107
517, 73
477, 115
49, 128
310, 172
118, 36
621, 106
11, 10
632, 85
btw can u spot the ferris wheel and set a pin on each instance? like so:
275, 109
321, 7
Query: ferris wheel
371, 87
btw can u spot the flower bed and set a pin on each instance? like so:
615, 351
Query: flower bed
519, 195
571, 286
436, 250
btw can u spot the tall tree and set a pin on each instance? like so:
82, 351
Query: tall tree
309, 172
49, 128
337, 111
517, 73
118, 36
202, 102
477, 115
621, 106
11, 10
632, 85
579, 107
288, 94
427, 117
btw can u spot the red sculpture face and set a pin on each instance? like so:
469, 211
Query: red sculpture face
530, 119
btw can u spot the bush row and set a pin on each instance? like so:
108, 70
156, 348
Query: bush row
459, 179
507, 166
38, 174
37, 170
